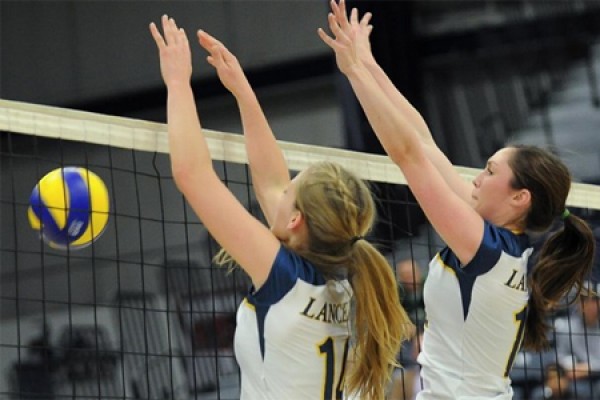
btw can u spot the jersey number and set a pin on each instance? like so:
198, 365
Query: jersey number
519, 321
326, 348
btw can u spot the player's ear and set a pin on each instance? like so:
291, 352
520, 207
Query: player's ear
522, 198
296, 220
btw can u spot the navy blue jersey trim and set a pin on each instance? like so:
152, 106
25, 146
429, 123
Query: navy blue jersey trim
495, 241
465, 280
287, 268
261, 315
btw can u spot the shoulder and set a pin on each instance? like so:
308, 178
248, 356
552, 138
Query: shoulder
288, 268
512, 243
289, 265
495, 242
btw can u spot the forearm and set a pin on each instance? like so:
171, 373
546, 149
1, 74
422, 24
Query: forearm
270, 174
400, 102
414, 118
396, 134
187, 146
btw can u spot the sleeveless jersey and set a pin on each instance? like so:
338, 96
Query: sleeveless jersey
291, 339
475, 319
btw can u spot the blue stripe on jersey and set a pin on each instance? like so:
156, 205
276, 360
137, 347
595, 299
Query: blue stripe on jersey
495, 241
287, 268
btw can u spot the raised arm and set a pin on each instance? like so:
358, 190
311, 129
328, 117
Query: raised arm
248, 241
270, 174
362, 29
403, 143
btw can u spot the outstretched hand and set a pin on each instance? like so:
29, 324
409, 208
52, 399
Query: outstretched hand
174, 52
228, 68
361, 29
350, 40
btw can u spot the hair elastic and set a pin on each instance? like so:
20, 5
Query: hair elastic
356, 239
565, 214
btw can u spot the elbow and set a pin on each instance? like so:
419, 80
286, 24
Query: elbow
401, 142
182, 176
189, 177
399, 153
406, 153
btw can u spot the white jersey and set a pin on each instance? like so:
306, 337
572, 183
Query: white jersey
475, 319
291, 339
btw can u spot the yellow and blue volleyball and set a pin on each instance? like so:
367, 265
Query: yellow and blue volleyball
69, 206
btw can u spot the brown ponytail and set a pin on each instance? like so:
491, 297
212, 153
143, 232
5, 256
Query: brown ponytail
564, 262
565, 258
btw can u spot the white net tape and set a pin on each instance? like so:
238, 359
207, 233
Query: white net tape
66, 124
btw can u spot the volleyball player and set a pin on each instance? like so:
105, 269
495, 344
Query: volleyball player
481, 298
307, 268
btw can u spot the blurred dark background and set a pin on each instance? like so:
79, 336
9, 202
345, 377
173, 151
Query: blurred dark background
478, 70
483, 73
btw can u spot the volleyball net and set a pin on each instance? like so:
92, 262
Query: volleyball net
142, 312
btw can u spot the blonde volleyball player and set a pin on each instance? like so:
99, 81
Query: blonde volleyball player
482, 302
293, 328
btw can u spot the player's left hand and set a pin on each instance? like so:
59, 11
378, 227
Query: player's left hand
343, 43
361, 29
174, 52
